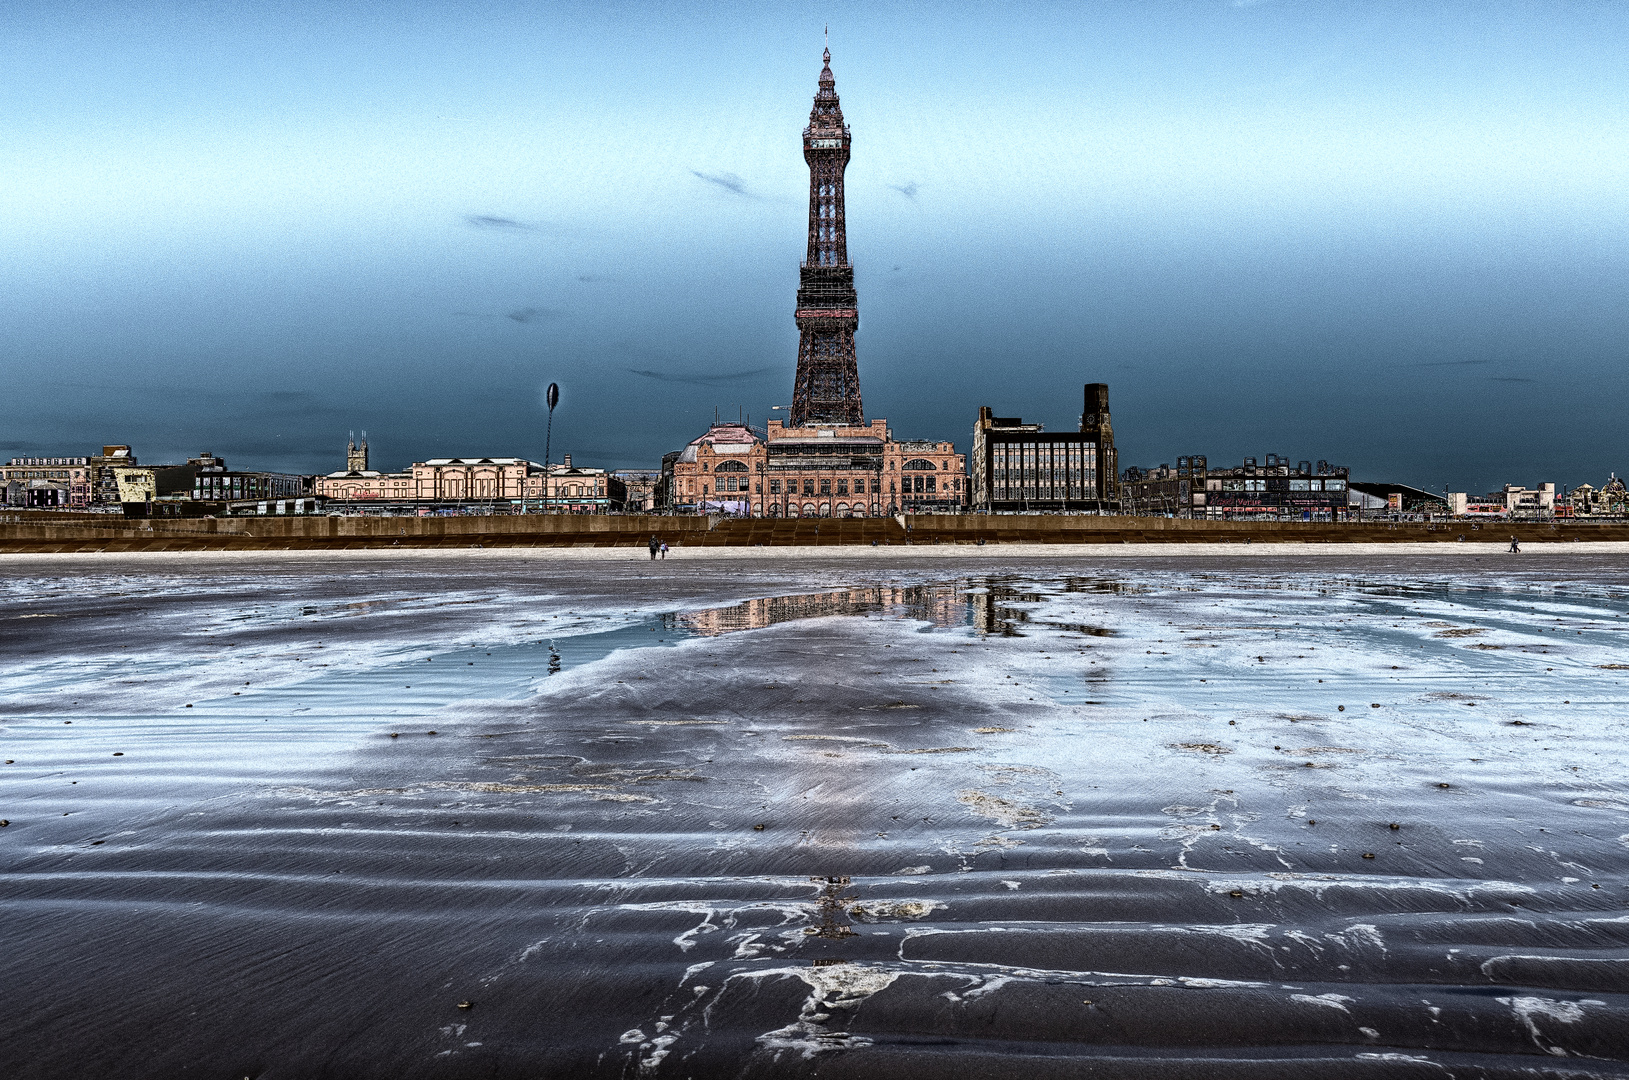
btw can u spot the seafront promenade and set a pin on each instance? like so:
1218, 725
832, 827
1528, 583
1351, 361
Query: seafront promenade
30, 533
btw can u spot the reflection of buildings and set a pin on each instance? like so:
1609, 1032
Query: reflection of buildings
941, 605
825, 459
987, 607
1019, 467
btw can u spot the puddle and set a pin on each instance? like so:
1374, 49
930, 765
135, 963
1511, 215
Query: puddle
987, 606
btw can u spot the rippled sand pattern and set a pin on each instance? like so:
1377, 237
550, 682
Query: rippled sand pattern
365, 817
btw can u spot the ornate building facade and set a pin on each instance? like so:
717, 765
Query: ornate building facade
561, 488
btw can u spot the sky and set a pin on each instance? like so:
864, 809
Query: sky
1386, 235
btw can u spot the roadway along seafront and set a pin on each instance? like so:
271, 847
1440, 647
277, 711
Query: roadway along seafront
538, 813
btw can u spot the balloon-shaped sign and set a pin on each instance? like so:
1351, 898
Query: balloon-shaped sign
554, 395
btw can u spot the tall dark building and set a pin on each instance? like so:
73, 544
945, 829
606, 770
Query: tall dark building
1019, 468
827, 389
1094, 424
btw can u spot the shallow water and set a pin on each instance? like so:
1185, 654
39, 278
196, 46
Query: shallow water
1041, 818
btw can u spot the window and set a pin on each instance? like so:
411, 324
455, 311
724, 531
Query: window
808, 487
774, 487
919, 464
930, 485
842, 487
730, 466
825, 487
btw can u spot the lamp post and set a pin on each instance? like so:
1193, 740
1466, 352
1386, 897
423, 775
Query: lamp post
553, 399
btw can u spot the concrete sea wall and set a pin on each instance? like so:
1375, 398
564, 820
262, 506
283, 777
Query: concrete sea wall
22, 532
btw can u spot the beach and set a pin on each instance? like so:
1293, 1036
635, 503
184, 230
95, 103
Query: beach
1140, 810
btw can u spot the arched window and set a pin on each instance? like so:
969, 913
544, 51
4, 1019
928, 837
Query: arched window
920, 465
730, 466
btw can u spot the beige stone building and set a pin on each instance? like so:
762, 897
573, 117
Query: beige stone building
564, 488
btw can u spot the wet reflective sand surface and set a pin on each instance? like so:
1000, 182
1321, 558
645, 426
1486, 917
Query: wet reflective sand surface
446, 816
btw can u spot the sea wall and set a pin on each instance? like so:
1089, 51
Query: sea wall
20, 532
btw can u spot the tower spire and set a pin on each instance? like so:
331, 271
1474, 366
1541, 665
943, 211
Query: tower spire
827, 389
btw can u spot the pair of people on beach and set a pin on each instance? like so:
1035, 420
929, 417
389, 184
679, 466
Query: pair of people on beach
657, 547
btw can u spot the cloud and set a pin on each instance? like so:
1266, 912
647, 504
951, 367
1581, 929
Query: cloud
531, 314
907, 190
728, 181
497, 224
703, 380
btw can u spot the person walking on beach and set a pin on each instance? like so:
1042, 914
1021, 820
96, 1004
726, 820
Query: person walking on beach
655, 545
1515, 546
664, 550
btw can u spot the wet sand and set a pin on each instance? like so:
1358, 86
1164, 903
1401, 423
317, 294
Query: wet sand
850, 813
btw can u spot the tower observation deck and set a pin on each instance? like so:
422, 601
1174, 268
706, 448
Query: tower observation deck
827, 388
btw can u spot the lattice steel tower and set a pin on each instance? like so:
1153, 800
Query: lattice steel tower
827, 390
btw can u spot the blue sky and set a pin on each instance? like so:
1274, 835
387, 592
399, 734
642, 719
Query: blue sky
1387, 235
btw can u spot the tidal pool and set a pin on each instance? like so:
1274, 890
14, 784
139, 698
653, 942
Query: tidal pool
452, 816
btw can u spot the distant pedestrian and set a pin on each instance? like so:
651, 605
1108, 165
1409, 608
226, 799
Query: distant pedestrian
655, 546
1515, 546
664, 549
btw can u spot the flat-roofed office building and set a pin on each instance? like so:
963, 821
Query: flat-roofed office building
1021, 468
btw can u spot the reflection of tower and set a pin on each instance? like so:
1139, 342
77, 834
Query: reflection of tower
356, 457
827, 388
1094, 421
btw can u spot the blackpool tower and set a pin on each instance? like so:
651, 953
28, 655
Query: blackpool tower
827, 390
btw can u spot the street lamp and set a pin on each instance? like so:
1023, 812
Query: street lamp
553, 399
